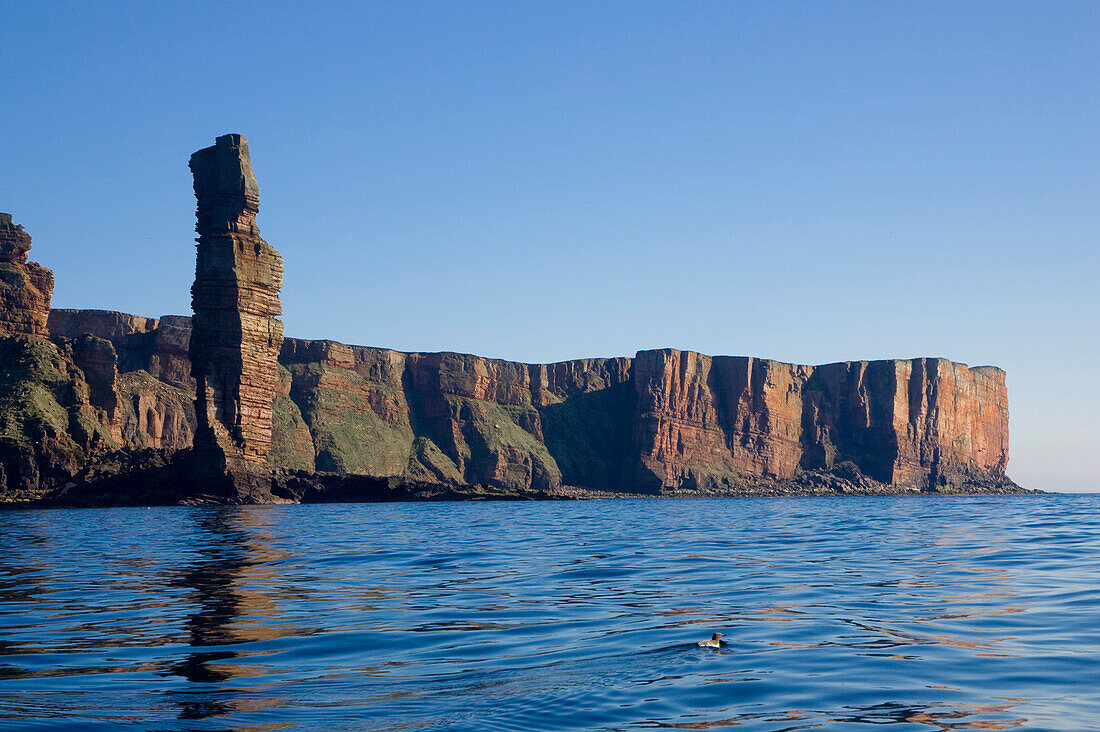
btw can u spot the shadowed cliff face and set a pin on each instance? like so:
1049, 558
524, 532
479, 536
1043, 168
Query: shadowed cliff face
57, 399
664, 419
50, 422
235, 331
153, 390
462, 419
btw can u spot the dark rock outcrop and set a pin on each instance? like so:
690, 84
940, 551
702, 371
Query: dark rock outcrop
236, 336
25, 287
50, 429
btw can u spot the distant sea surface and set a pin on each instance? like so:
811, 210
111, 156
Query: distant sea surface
921, 613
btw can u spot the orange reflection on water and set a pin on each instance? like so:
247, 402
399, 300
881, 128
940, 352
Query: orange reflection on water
955, 717
232, 580
937, 719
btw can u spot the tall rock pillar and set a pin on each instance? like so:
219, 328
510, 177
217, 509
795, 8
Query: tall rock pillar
236, 336
25, 287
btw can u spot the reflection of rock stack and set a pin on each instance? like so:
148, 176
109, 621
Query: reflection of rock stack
25, 287
236, 336
230, 578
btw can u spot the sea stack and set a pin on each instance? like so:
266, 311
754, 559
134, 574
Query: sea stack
236, 334
25, 287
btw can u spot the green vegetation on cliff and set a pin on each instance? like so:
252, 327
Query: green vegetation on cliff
48, 426
496, 450
348, 435
291, 443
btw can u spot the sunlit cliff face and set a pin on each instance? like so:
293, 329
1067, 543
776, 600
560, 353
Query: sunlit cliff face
25, 287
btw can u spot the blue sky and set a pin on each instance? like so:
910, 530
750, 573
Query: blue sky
810, 182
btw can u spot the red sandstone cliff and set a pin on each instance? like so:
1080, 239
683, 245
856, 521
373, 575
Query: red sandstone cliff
57, 398
663, 420
715, 421
154, 393
25, 287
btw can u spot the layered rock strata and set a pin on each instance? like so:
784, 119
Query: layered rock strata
914, 423
56, 399
236, 335
158, 346
154, 393
663, 421
107, 404
25, 287
461, 419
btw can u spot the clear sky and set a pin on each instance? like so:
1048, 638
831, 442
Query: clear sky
811, 182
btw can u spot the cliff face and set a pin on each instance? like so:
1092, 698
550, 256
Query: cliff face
235, 335
57, 399
662, 420
87, 390
52, 420
714, 421
154, 392
157, 346
461, 419
25, 287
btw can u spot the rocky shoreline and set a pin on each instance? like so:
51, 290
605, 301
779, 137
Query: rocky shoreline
161, 478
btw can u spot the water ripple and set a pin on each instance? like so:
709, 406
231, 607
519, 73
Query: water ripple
942, 614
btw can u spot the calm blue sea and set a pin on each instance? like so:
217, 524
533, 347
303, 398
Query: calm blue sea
922, 613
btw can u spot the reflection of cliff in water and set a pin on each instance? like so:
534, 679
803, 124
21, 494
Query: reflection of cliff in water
939, 716
231, 577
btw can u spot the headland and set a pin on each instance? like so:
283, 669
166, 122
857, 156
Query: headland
106, 408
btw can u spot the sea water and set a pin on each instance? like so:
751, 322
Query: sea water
920, 613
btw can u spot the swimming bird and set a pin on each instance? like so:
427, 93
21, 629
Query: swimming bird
714, 642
